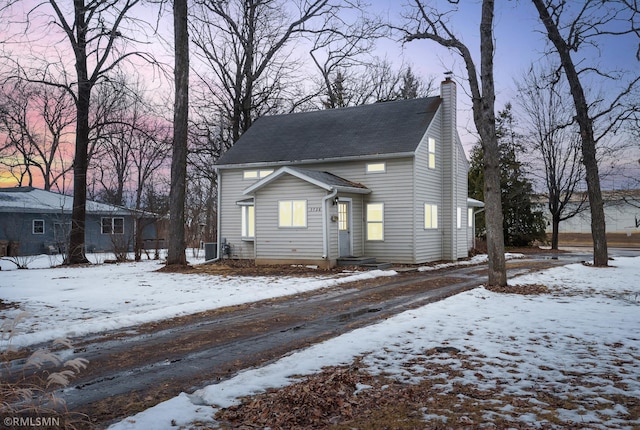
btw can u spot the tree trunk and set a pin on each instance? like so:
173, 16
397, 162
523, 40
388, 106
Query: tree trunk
76, 254
555, 232
598, 229
176, 246
484, 115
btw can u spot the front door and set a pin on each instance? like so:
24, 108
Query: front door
344, 228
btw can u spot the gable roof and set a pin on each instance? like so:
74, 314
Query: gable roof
34, 200
325, 180
378, 129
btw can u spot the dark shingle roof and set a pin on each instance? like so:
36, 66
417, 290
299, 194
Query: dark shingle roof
380, 128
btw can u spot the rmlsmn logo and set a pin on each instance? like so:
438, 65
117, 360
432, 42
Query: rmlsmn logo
32, 421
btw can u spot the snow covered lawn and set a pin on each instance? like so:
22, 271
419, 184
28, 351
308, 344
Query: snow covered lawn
568, 357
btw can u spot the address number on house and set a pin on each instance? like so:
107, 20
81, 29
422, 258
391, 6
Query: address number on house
314, 209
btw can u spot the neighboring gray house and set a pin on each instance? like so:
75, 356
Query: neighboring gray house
34, 221
386, 181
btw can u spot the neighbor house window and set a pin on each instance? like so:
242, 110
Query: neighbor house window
459, 218
248, 221
375, 221
292, 213
38, 226
430, 216
432, 153
256, 174
470, 217
112, 225
376, 167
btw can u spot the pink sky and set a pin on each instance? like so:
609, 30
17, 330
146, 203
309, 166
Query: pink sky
519, 43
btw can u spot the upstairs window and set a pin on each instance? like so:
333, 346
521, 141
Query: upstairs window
376, 167
432, 153
38, 226
112, 225
256, 174
470, 218
459, 218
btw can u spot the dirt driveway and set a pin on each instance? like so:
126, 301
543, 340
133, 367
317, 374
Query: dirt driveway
135, 368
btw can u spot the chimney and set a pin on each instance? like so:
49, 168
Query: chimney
451, 176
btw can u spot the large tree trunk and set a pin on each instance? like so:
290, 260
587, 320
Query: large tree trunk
484, 115
176, 247
598, 229
76, 253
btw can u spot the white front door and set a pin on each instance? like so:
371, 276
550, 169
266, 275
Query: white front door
344, 228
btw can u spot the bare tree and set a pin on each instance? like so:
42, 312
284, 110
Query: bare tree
246, 46
35, 121
553, 136
177, 195
428, 23
374, 83
99, 34
572, 28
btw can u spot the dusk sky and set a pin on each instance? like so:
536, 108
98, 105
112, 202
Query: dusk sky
518, 41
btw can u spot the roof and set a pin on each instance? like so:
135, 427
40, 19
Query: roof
29, 199
325, 180
473, 203
395, 127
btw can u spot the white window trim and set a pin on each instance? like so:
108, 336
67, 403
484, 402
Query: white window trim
245, 221
432, 209
33, 226
459, 217
292, 204
381, 222
111, 225
431, 153
256, 174
376, 167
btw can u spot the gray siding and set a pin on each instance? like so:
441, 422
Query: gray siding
428, 189
462, 168
274, 242
231, 187
394, 188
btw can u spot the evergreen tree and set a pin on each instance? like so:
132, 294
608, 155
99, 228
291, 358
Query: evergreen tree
523, 222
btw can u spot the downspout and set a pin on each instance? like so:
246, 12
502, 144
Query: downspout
325, 223
218, 218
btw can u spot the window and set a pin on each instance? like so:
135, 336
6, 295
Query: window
248, 221
470, 217
432, 153
112, 225
343, 212
256, 174
459, 218
375, 221
292, 213
376, 167
38, 226
430, 216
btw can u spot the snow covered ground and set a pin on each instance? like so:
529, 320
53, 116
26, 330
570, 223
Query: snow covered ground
579, 341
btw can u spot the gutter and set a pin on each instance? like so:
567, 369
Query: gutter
218, 218
325, 223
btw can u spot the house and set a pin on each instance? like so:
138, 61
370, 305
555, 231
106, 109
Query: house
34, 221
386, 181
622, 218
